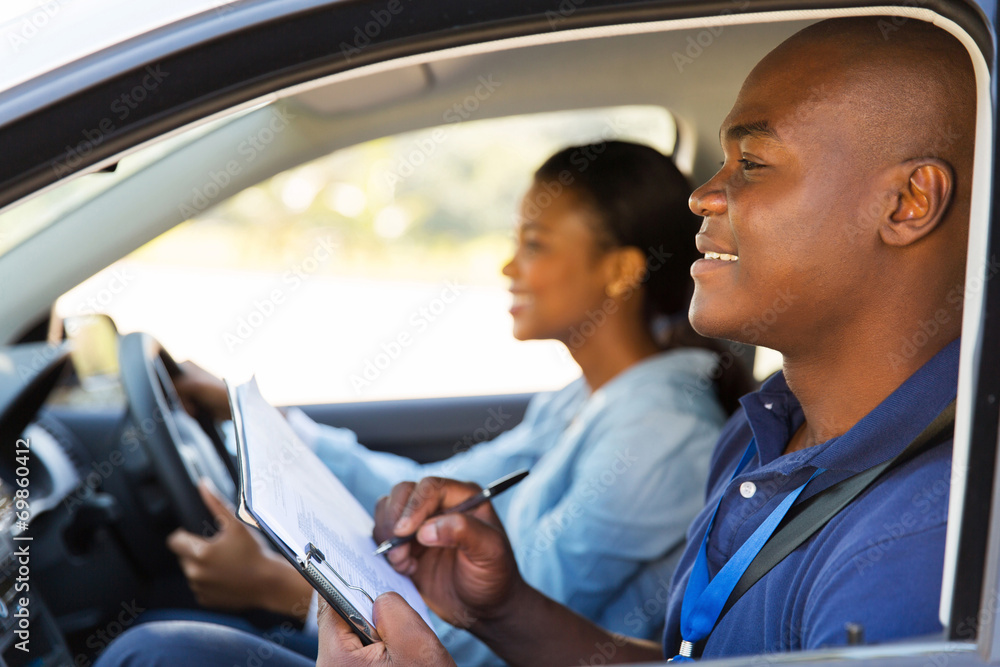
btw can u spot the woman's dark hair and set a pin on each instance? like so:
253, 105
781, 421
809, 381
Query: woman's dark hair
640, 199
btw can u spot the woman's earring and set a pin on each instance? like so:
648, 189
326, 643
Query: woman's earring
616, 289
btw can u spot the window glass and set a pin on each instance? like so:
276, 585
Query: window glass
372, 273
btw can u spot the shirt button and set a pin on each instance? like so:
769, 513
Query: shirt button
747, 489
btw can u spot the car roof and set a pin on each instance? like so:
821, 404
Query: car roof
40, 37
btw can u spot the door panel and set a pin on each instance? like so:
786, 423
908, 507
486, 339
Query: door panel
426, 429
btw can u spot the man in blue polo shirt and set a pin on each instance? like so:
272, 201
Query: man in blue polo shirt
844, 196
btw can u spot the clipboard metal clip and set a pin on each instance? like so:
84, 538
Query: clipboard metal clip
316, 558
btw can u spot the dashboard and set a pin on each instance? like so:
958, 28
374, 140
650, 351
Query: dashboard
37, 473
82, 519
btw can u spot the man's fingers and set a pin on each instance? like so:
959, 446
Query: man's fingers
409, 505
402, 560
336, 639
330, 621
389, 508
431, 496
479, 541
396, 620
407, 638
424, 500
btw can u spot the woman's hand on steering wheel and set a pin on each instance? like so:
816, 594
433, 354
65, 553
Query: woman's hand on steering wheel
200, 390
234, 569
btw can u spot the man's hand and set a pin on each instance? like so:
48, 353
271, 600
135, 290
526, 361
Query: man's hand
462, 564
234, 569
464, 567
197, 388
406, 639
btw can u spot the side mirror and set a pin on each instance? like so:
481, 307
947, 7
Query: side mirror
94, 345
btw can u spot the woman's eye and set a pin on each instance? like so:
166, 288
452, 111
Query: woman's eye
749, 165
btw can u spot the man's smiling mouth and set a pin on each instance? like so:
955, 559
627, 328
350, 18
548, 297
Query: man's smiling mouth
725, 257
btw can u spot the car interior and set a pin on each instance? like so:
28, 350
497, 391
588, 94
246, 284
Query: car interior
114, 455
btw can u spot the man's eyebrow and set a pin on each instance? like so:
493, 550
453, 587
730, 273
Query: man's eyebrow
757, 129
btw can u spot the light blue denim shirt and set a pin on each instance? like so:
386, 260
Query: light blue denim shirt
617, 475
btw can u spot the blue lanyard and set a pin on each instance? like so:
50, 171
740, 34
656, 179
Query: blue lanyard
704, 599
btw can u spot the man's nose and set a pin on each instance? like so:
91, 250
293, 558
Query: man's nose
708, 199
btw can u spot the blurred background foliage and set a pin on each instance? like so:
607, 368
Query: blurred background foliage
435, 203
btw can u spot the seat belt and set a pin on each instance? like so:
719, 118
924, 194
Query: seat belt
806, 518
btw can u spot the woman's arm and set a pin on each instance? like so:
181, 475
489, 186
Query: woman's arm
369, 474
635, 486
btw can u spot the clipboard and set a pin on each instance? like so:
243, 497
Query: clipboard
303, 544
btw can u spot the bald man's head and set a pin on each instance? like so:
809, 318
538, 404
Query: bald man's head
909, 91
846, 185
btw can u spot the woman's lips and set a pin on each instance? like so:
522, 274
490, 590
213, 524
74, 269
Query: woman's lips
519, 302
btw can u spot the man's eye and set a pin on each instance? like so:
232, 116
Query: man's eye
749, 165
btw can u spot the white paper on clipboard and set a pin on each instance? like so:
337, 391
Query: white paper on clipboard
287, 492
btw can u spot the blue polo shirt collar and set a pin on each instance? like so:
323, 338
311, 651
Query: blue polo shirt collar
774, 414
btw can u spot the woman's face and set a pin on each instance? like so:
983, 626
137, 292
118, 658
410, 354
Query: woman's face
558, 272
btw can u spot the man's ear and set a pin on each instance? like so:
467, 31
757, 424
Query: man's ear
923, 191
627, 272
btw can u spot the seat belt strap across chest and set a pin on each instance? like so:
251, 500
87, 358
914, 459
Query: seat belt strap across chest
808, 517
804, 519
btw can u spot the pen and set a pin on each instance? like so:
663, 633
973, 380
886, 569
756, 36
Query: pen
494, 489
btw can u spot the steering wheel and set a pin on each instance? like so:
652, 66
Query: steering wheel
181, 452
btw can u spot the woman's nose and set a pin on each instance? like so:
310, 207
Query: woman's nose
508, 268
